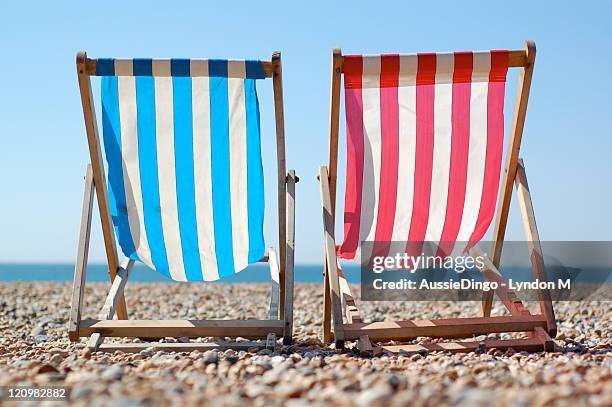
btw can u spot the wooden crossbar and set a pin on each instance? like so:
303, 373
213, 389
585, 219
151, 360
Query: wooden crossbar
90, 68
516, 59
181, 328
443, 328
180, 346
527, 344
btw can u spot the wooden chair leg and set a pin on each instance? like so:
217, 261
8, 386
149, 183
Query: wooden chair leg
327, 336
512, 156
487, 303
292, 179
351, 312
332, 262
492, 274
80, 270
535, 248
274, 295
274, 284
94, 342
99, 176
112, 300
365, 348
271, 341
548, 342
334, 125
277, 86
353, 315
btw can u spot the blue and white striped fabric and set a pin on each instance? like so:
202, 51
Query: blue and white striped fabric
182, 142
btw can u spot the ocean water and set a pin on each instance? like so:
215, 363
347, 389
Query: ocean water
258, 273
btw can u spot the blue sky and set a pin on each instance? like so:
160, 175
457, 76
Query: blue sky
43, 152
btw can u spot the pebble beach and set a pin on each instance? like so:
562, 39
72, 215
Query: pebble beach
35, 350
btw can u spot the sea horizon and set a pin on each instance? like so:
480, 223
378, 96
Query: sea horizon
257, 273
98, 272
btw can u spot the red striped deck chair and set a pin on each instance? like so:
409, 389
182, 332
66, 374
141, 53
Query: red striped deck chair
425, 136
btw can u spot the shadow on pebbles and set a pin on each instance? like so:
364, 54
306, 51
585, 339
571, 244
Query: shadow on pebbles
35, 350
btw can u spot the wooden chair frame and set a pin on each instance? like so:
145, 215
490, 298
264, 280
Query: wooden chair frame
339, 304
277, 323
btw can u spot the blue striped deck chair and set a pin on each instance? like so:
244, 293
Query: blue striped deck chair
184, 194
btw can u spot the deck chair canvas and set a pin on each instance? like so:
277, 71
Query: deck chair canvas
185, 192
424, 155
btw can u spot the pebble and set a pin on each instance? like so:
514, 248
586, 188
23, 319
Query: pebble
148, 352
46, 368
56, 359
38, 331
40, 338
35, 350
112, 373
474, 398
374, 397
85, 353
210, 357
58, 351
80, 390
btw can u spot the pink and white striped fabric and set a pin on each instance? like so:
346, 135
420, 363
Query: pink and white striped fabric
424, 147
